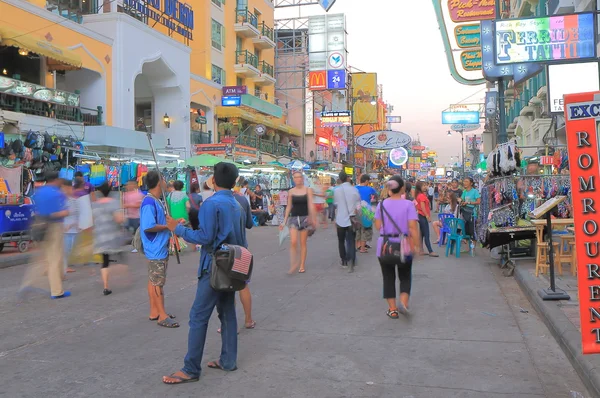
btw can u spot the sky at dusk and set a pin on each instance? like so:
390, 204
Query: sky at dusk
400, 41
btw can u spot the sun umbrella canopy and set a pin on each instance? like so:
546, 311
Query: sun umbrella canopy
207, 161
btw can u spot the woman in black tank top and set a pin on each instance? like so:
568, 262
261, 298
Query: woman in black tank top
300, 215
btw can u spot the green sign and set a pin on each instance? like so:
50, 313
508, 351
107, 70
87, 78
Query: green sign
201, 120
471, 60
468, 36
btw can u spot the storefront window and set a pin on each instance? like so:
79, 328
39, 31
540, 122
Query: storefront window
218, 75
217, 35
218, 3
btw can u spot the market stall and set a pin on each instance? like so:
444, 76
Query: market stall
274, 181
16, 207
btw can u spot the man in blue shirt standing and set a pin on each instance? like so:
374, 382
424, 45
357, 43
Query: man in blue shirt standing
51, 208
155, 241
222, 221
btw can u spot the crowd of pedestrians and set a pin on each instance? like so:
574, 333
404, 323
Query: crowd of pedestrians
216, 213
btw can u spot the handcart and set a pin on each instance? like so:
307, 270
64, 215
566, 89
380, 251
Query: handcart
15, 226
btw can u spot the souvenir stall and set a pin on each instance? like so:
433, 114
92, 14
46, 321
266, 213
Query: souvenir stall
508, 199
274, 181
16, 208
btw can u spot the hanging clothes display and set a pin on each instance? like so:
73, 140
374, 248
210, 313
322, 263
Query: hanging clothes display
12, 177
504, 160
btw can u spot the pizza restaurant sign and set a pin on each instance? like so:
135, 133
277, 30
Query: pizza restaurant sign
582, 115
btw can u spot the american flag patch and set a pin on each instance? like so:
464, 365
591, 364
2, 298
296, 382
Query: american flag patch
242, 260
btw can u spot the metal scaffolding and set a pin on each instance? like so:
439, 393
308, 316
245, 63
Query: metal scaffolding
294, 3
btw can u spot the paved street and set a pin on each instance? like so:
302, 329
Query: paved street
321, 334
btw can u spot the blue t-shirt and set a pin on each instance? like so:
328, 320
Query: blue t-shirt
49, 199
365, 192
156, 244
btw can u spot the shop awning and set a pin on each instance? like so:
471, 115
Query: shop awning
275, 124
15, 38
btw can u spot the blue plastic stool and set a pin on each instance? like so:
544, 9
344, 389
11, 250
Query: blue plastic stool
444, 230
454, 237
255, 221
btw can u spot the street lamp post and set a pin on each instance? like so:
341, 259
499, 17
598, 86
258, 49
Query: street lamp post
462, 150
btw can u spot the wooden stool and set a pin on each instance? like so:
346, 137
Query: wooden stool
542, 258
573, 257
564, 251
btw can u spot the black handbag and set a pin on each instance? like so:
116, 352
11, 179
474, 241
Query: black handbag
393, 253
467, 213
231, 268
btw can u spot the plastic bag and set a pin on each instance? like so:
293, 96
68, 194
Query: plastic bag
283, 234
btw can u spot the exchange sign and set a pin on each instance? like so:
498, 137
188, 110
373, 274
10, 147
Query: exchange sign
545, 39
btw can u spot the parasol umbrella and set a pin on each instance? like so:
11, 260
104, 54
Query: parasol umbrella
208, 161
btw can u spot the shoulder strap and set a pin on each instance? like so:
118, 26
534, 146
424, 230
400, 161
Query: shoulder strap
390, 217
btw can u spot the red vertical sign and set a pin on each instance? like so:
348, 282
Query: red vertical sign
582, 115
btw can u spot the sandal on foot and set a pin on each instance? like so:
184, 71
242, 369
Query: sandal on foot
301, 271
156, 319
393, 314
179, 379
250, 325
217, 365
168, 323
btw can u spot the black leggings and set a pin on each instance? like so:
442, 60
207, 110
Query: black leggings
389, 278
105, 260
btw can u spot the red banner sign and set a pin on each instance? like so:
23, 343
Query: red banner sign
582, 112
546, 160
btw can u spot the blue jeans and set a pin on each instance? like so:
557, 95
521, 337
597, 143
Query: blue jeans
204, 304
69, 242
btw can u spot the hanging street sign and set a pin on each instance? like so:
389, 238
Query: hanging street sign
385, 139
467, 117
465, 127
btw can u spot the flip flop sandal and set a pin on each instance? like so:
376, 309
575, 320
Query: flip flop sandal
252, 325
301, 271
156, 319
217, 365
168, 323
181, 380
393, 314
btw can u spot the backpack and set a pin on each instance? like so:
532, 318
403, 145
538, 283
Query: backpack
30, 139
137, 241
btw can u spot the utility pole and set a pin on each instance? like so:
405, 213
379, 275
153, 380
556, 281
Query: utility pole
502, 135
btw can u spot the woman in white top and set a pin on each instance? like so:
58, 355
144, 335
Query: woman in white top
451, 208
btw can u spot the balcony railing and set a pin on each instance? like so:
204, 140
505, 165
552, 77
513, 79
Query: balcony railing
87, 116
264, 145
246, 16
266, 68
266, 31
246, 57
200, 137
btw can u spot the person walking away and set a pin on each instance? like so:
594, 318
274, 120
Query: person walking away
179, 203
451, 208
207, 189
469, 200
108, 218
155, 237
347, 201
424, 213
132, 200
71, 223
430, 192
329, 201
367, 196
51, 209
223, 222
85, 194
319, 199
396, 220
299, 216
195, 197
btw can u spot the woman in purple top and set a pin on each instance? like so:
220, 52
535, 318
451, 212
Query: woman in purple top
82, 188
404, 215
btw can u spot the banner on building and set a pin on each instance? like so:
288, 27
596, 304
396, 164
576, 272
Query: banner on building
582, 117
327, 42
571, 78
336, 119
364, 93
